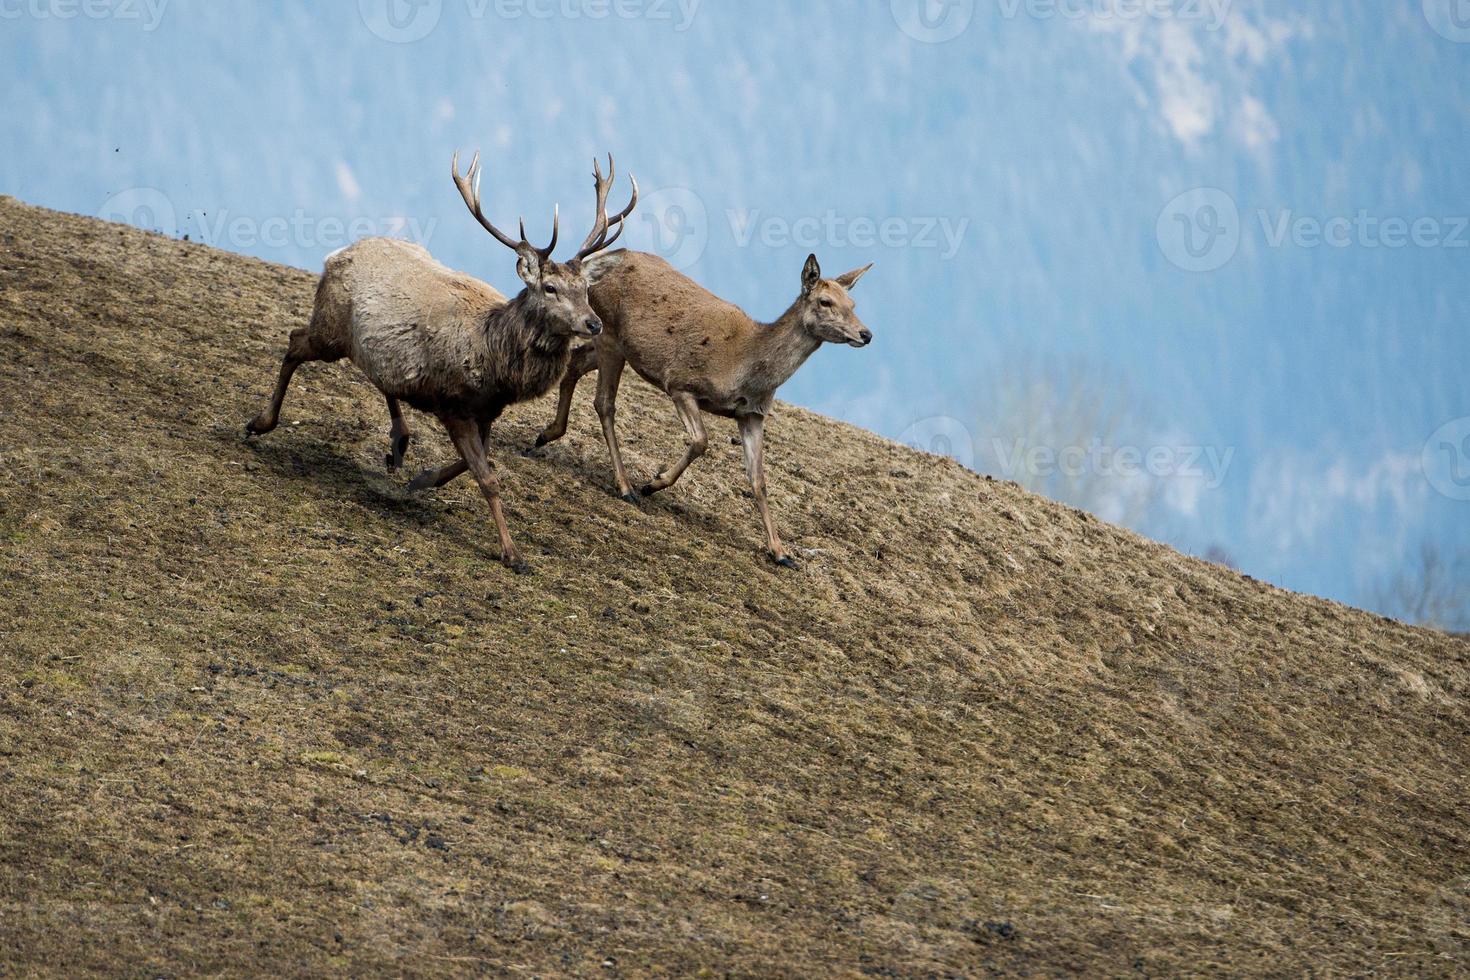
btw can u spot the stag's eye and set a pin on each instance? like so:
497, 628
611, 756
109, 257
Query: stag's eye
827, 303
550, 290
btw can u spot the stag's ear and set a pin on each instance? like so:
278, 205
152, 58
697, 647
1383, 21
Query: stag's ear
810, 275
528, 265
849, 279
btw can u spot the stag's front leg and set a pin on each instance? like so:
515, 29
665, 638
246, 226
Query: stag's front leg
399, 435
688, 408
470, 442
753, 438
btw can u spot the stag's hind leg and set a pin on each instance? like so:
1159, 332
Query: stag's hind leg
584, 360
299, 350
470, 441
399, 435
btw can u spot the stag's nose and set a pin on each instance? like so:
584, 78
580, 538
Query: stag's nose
593, 326
866, 336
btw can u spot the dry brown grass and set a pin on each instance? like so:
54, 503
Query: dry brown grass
262, 711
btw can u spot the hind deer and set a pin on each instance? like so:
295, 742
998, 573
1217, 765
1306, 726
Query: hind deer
706, 354
448, 344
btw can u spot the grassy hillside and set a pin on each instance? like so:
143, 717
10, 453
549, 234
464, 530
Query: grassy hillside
262, 710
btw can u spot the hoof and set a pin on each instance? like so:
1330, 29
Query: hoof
533, 452
519, 566
631, 498
423, 481
648, 490
786, 561
395, 458
541, 440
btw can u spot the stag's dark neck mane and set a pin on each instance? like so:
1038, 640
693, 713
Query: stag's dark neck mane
531, 353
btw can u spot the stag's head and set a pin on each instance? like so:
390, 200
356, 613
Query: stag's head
555, 291
827, 311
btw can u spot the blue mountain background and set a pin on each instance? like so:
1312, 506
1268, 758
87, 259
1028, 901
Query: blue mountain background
1132, 195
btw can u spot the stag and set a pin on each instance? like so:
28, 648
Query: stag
448, 344
706, 354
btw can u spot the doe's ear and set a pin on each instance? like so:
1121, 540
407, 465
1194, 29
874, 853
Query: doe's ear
528, 266
849, 279
811, 274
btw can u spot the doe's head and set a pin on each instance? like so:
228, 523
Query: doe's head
556, 290
827, 311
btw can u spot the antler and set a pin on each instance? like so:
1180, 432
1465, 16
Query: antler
598, 240
469, 189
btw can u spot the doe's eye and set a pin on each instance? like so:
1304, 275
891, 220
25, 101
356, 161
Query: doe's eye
827, 303
550, 290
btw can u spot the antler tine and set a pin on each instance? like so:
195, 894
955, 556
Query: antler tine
469, 189
623, 214
545, 253
598, 239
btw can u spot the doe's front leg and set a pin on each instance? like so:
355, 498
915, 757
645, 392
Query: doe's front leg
753, 439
